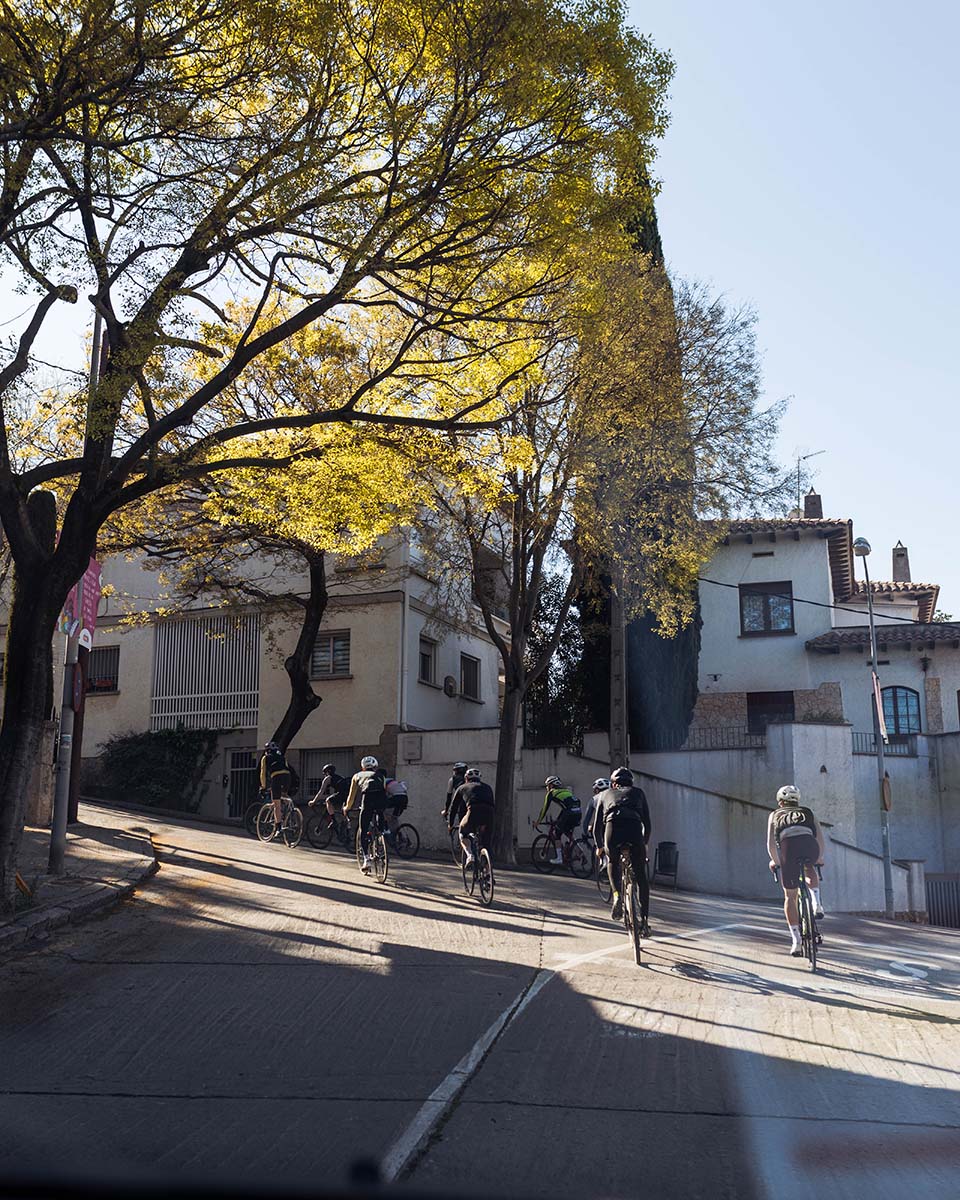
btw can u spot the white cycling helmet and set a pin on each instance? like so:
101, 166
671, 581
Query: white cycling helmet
472, 773
788, 794
552, 781
369, 763
601, 785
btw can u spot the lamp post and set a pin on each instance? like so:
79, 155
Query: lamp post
861, 548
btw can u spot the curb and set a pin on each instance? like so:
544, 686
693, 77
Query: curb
106, 894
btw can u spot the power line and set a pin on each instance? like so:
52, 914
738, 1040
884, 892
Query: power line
815, 603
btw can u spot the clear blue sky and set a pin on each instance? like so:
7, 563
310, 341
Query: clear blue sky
811, 170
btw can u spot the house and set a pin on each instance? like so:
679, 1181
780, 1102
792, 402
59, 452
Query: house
383, 662
785, 684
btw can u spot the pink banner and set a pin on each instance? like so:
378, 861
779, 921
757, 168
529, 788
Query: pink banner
83, 622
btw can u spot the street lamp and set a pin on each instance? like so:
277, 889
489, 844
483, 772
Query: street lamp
861, 548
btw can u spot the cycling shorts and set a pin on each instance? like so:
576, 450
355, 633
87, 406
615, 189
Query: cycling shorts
792, 851
568, 820
478, 816
280, 783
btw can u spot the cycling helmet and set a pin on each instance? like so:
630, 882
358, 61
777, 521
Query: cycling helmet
552, 781
788, 794
458, 766
328, 769
622, 777
271, 745
369, 763
601, 785
472, 773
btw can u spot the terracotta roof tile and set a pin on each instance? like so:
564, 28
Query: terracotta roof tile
850, 637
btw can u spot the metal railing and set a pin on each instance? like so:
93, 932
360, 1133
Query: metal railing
708, 737
943, 900
900, 745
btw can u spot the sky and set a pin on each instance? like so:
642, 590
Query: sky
811, 170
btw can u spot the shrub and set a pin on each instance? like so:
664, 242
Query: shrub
163, 768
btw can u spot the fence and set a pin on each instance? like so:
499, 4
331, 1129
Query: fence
943, 900
902, 745
706, 737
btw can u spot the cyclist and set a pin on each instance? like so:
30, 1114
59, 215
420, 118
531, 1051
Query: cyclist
332, 792
477, 800
586, 828
276, 776
397, 801
459, 770
569, 806
793, 834
369, 785
623, 819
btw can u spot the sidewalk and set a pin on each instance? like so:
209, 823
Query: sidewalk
107, 857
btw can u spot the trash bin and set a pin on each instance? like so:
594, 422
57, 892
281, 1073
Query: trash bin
666, 861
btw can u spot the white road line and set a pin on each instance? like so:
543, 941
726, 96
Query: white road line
441, 1099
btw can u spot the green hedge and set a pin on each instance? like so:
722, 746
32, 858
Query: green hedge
165, 768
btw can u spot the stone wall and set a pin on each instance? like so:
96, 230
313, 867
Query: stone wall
934, 703
720, 708
823, 703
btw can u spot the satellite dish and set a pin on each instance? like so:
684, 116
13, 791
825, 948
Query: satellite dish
450, 685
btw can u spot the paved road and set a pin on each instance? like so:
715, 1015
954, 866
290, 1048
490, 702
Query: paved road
258, 1013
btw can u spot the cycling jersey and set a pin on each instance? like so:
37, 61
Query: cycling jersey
791, 821
369, 787
473, 794
621, 805
456, 779
563, 797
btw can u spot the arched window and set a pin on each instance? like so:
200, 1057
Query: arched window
901, 710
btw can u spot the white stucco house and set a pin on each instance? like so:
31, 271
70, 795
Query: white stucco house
382, 662
785, 685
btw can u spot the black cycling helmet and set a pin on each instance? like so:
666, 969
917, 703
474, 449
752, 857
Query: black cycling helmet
459, 766
622, 777
328, 769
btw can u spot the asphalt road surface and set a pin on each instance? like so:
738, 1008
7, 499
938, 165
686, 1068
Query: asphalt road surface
266, 1017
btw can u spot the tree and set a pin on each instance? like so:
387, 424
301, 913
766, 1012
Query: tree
432, 159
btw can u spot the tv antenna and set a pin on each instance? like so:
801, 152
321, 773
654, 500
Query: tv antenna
802, 458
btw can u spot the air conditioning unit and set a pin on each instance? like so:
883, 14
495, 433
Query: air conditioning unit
450, 685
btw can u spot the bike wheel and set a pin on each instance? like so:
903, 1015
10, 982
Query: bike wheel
808, 937
381, 858
635, 931
456, 850
603, 883
406, 841
469, 873
250, 814
581, 859
266, 822
319, 831
293, 827
485, 871
542, 853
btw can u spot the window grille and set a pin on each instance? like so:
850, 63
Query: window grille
470, 676
768, 708
207, 673
103, 669
766, 608
312, 763
331, 655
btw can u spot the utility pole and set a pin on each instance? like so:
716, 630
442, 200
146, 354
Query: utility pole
861, 548
619, 715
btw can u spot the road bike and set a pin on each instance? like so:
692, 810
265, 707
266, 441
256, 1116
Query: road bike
603, 879
456, 850
630, 893
322, 828
405, 840
479, 871
576, 853
252, 811
290, 826
378, 853
810, 937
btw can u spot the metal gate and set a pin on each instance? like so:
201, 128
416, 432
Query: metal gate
943, 900
243, 780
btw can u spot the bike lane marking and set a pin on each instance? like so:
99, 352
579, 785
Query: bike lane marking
405, 1149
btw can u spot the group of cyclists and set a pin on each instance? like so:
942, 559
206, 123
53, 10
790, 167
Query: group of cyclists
617, 815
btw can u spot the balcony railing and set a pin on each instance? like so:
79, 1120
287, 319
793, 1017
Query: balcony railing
708, 737
900, 745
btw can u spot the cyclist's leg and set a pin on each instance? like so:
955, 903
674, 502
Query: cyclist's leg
639, 853
366, 816
276, 793
463, 830
611, 847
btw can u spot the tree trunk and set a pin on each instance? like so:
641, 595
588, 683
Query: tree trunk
504, 826
26, 705
303, 699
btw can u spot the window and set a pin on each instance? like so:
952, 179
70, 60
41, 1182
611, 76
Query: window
103, 670
312, 763
331, 655
428, 661
470, 676
901, 710
766, 608
768, 708
207, 673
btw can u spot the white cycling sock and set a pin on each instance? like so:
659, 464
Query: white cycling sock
795, 934
815, 892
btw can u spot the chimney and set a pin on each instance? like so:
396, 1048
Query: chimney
812, 506
901, 564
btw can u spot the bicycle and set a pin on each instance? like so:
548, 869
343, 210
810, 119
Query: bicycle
479, 871
810, 937
405, 840
456, 850
321, 828
378, 853
290, 826
630, 893
577, 854
252, 811
603, 879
